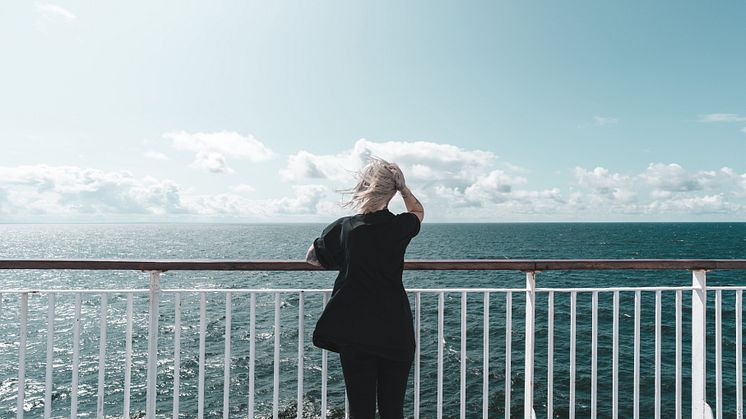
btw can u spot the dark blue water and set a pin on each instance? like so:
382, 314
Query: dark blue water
436, 241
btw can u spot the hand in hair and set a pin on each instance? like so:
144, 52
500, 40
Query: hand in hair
410, 201
398, 176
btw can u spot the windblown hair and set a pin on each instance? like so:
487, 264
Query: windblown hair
377, 184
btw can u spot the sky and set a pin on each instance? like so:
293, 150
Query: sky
248, 111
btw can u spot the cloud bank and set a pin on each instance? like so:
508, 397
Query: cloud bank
212, 150
456, 184
71, 192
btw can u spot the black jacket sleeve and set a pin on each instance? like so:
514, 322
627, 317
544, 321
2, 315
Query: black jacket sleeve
409, 225
328, 246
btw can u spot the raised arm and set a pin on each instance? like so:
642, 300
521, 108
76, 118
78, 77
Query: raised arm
311, 257
412, 203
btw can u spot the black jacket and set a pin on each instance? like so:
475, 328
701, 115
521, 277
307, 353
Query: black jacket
369, 309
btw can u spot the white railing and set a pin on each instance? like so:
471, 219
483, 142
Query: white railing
465, 402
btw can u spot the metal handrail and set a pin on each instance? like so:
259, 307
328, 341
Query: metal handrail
698, 289
416, 264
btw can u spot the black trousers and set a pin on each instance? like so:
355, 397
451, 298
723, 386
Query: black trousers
369, 377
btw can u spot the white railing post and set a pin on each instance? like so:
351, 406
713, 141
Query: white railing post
50, 356
252, 359
227, 358
699, 339
301, 353
594, 355
22, 356
615, 358
677, 389
201, 355
550, 355
485, 356
573, 344
508, 351
441, 344
128, 357
739, 355
276, 366
102, 356
76, 358
528, 402
636, 355
155, 289
462, 370
177, 354
417, 325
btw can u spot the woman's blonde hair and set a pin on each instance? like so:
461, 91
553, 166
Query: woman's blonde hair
377, 183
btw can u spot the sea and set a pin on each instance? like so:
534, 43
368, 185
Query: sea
290, 241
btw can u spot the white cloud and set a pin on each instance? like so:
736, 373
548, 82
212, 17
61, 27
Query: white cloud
445, 175
471, 184
242, 188
154, 155
660, 191
211, 161
601, 121
65, 190
497, 194
673, 178
495, 186
600, 178
307, 200
421, 161
52, 11
677, 191
605, 185
546, 201
224, 204
696, 205
213, 149
305, 165
514, 168
71, 191
721, 117
738, 180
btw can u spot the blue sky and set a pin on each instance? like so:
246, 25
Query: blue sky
261, 111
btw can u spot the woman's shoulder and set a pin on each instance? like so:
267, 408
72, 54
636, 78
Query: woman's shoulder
407, 218
408, 222
339, 221
335, 225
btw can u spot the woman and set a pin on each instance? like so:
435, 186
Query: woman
368, 320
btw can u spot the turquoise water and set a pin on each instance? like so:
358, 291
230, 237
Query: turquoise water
290, 241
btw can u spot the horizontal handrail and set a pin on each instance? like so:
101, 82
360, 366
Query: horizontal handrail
416, 265
697, 337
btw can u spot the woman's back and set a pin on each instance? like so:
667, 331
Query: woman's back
369, 307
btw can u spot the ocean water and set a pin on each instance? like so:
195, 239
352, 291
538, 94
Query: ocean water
290, 241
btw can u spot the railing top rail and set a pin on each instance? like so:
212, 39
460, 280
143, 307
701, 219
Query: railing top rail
453, 265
